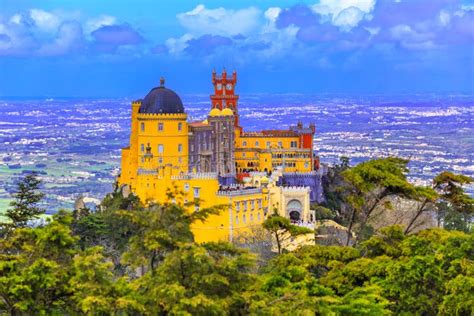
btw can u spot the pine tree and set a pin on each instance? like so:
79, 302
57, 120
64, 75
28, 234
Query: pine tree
25, 206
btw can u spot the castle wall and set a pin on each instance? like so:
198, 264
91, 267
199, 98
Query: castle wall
313, 180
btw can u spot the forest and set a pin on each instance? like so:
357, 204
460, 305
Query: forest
126, 258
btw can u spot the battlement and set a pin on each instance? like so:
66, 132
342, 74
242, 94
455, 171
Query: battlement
302, 174
162, 116
223, 77
147, 172
197, 175
269, 133
137, 102
296, 189
238, 191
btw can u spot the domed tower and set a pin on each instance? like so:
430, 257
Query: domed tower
159, 136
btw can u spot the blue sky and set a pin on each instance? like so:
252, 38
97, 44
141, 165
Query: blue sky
117, 48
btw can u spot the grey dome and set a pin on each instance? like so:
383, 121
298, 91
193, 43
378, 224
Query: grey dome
161, 100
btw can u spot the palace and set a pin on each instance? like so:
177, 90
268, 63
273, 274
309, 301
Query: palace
217, 162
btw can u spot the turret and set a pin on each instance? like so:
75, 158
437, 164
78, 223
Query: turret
224, 93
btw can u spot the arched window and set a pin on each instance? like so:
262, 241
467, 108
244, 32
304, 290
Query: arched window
160, 127
243, 219
180, 148
244, 143
257, 143
142, 127
160, 149
237, 219
180, 126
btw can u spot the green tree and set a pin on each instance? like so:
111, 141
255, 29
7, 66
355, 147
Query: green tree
282, 230
25, 206
160, 229
426, 196
456, 205
199, 280
369, 184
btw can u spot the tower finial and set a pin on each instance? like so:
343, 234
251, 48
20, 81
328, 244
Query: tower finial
162, 82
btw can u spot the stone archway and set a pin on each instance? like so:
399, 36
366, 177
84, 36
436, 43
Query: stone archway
294, 209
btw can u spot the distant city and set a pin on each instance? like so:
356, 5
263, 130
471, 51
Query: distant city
74, 144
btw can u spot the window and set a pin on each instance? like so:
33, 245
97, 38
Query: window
294, 144
197, 191
251, 217
160, 160
180, 148
257, 144
160, 127
196, 208
180, 126
259, 203
142, 127
245, 205
237, 219
252, 204
186, 187
243, 219
142, 147
160, 149
258, 216
244, 143
306, 165
237, 206
280, 144
268, 144
243, 155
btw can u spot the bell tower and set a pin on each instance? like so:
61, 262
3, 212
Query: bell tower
224, 93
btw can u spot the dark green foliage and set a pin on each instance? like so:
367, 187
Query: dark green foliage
25, 206
128, 259
282, 230
456, 206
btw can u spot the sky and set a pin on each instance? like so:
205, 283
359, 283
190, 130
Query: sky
118, 48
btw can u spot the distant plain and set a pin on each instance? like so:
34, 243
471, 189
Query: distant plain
75, 143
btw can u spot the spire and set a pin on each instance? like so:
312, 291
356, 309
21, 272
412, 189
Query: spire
162, 82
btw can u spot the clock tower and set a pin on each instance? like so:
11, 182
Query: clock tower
224, 93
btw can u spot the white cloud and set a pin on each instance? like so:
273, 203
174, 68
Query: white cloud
348, 18
68, 39
95, 23
16, 19
177, 45
444, 17
44, 20
412, 39
220, 21
271, 14
345, 13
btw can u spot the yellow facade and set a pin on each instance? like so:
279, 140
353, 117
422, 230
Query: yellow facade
260, 152
158, 161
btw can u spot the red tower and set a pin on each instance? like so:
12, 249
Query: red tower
224, 97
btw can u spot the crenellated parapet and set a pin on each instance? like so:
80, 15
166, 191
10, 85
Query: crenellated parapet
302, 174
239, 192
296, 189
203, 175
161, 116
147, 172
